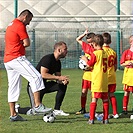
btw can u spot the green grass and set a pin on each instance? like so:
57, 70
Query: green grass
71, 124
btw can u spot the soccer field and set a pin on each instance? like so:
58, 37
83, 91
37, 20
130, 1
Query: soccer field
71, 104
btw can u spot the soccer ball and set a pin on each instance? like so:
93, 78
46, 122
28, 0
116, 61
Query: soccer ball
49, 117
82, 64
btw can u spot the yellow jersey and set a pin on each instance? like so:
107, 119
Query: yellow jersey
112, 62
99, 62
88, 49
126, 57
87, 74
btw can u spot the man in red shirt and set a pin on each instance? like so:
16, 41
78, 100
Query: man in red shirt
17, 65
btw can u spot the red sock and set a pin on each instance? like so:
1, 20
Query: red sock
105, 110
125, 102
83, 101
114, 104
92, 110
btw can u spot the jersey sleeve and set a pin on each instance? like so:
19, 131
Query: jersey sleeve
45, 62
123, 57
115, 60
92, 60
115, 57
22, 32
84, 46
87, 48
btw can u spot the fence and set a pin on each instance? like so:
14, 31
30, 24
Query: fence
67, 29
42, 41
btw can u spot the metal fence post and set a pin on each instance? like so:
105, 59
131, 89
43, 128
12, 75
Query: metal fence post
15, 8
118, 34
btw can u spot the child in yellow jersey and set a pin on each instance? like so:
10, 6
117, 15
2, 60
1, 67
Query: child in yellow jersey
99, 83
86, 79
112, 66
127, 62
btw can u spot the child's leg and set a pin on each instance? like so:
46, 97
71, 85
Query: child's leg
86, 84
125, 100
105, 109
113, 102
93, 105
84, 98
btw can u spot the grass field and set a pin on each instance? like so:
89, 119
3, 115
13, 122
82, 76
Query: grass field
71, 104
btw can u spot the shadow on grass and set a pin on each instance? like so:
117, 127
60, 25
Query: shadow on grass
73, 118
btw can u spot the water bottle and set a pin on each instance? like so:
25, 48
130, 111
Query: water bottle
87, 115
99, 117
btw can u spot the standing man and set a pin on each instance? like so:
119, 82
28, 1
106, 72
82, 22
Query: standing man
50, 68
17, 65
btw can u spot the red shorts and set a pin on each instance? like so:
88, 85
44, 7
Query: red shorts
112, 88
101, 95
128, 88
86, 84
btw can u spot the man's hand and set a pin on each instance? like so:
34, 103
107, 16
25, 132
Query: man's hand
63, 80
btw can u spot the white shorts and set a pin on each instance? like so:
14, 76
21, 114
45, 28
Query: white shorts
21, 67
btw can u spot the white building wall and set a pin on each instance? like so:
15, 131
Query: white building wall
61, 7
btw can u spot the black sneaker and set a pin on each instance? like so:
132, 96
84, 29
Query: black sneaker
82, 111
17, 118
106, 121
124, 112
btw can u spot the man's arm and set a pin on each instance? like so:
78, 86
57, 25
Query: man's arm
26, 42
79, 39
46, 75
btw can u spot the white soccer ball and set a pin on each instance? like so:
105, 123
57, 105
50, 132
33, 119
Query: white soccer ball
49, 117
82, 64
